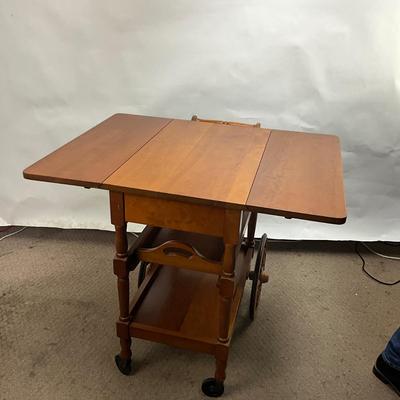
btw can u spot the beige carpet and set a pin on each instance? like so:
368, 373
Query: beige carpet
320, 325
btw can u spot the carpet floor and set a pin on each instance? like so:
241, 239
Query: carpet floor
320, 325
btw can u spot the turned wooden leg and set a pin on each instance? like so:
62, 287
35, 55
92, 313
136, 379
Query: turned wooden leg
123, 359
214, 387
226, 286
121, 269
225, 305
125, 353
221, 359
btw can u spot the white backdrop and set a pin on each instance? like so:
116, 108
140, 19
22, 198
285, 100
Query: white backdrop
329, 66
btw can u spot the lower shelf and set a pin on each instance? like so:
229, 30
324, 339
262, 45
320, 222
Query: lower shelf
181, 307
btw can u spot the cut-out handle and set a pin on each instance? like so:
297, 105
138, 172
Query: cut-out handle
181, 255
176, 251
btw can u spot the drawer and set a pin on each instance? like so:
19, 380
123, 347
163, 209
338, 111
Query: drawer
175, 215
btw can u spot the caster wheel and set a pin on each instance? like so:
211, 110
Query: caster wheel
212, 388
124, 365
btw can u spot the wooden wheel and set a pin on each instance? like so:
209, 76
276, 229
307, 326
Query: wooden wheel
258, 276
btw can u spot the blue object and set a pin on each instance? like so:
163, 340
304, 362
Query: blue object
391, 354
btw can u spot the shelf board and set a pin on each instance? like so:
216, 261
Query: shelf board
180, 307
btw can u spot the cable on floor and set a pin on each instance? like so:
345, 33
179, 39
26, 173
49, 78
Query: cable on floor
379, 254
13, 233
356, 248
394, 244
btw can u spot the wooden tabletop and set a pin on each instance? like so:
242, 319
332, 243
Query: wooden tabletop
292, 174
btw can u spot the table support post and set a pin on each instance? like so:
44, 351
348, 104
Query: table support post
226, 291
121, 269
221, 361
226, 285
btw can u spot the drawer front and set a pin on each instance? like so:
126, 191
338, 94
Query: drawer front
175, 214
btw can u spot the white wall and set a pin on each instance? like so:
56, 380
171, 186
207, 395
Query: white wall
326, 66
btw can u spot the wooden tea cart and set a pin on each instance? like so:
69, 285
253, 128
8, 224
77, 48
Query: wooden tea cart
197, 186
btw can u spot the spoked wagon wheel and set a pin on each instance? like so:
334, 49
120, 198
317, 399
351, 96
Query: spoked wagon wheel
258, 276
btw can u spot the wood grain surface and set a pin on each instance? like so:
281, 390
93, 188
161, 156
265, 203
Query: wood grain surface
180, 215
300, 176
197, 160
292, 174
186, 302
91, 157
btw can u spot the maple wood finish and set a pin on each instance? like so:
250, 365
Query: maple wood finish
182, 306
197, 160
174, 214
121, 269
292, 174
300, 176
91, 157
197, 185
179, 254
163, 309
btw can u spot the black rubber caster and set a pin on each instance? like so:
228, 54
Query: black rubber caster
124, 365
212, 388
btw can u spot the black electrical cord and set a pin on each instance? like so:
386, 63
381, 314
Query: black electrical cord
367, 273
392, 244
